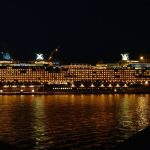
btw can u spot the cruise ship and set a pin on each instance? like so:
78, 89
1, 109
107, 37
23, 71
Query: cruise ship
47, 77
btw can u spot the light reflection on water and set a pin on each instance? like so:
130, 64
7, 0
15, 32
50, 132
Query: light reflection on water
72, 121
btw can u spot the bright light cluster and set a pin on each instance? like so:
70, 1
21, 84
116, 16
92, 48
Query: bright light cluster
39, 57
125, 56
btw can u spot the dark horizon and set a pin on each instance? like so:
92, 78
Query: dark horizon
85, 31
67, 57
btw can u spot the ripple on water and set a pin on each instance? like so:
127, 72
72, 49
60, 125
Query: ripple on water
72, 121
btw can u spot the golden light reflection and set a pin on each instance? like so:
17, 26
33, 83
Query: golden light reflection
51, 118
142, 109
125, 118
39, 122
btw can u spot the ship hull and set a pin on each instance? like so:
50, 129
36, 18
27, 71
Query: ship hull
55, 90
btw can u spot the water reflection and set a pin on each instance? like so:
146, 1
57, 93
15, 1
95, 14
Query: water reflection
72, 121
142, 111
39, 123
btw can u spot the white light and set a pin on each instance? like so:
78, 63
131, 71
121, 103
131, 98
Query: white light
1, 91
5, 86
146, 82
14, 86
33, 90
125, 56
109, 85
125, 85
21, 90
31, 86
117, 85
72, 85
23, 86
141, 58
81, 85
92, 85
39, 57
102, 85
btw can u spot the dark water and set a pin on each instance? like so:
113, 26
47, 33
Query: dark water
72, 121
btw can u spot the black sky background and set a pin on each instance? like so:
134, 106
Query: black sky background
86, 31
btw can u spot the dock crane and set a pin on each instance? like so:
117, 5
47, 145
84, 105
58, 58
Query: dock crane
52, 54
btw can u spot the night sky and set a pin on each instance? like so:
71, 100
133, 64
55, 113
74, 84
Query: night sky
86, 31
